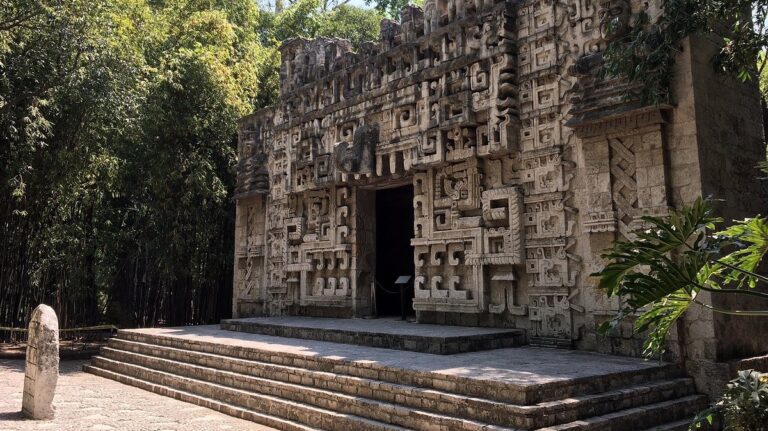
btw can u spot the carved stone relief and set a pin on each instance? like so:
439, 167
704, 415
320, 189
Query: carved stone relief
484, 107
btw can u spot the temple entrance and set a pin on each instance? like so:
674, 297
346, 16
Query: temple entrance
394, 253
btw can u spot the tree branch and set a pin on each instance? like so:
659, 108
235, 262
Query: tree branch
756, 313
735, 291
10, 23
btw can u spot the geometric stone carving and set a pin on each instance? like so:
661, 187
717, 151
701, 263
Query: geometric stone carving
550, 316
628, 175
359, 158
522, 159
41, 371
450, 113
623, 184
503, 289
600, 221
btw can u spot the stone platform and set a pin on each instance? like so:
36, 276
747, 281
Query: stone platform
296, 384
388, 333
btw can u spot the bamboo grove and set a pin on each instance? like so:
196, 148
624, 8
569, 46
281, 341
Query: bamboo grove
118, 148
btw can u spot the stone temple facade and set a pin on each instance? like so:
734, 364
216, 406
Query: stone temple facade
475, 148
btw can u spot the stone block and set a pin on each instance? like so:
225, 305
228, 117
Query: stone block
42, 364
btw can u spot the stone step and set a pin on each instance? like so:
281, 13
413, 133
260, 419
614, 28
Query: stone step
210, 403
270, 406
639, 418
495, 390
319, 389
681, 425
621, 400
341, 403
383, 333
479, 409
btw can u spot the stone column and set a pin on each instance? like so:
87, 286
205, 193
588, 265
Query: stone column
42, 367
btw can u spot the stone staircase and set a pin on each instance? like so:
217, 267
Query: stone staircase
302, 392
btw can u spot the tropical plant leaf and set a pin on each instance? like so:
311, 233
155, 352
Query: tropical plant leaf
659, 320
737, 269
660, 271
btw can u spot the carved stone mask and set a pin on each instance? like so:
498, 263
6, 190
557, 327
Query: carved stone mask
358, 158
614, 19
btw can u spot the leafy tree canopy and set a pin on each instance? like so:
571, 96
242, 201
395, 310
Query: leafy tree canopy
392, 8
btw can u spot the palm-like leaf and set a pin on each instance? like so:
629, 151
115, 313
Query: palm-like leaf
659, 273
652, 246
738, 268
659, 320
743, 405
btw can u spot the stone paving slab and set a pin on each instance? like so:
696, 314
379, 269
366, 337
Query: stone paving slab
88, 402
389, 333
523, 366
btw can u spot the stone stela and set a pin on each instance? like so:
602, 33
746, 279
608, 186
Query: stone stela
521, 164
41, 371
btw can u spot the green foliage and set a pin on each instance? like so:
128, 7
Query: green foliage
349, 22
392, 8
762, 60
308, 19
299, 20
117, 154
646, 54
743, 406
659, 273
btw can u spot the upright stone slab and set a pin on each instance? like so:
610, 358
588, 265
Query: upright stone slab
42, 367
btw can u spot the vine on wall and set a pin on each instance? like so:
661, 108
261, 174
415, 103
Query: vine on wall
647, 53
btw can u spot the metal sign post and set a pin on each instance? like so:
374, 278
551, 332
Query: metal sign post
402, 283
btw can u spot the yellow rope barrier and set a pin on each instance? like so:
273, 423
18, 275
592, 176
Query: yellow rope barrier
85, 328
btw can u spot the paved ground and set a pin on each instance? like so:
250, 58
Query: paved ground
519, 365
393, 326
86, 402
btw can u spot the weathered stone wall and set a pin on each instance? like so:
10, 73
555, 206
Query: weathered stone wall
724, 143
524, 164
729, 124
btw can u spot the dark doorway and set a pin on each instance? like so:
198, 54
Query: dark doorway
394, 253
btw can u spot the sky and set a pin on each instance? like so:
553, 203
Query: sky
360, 3
269, 3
